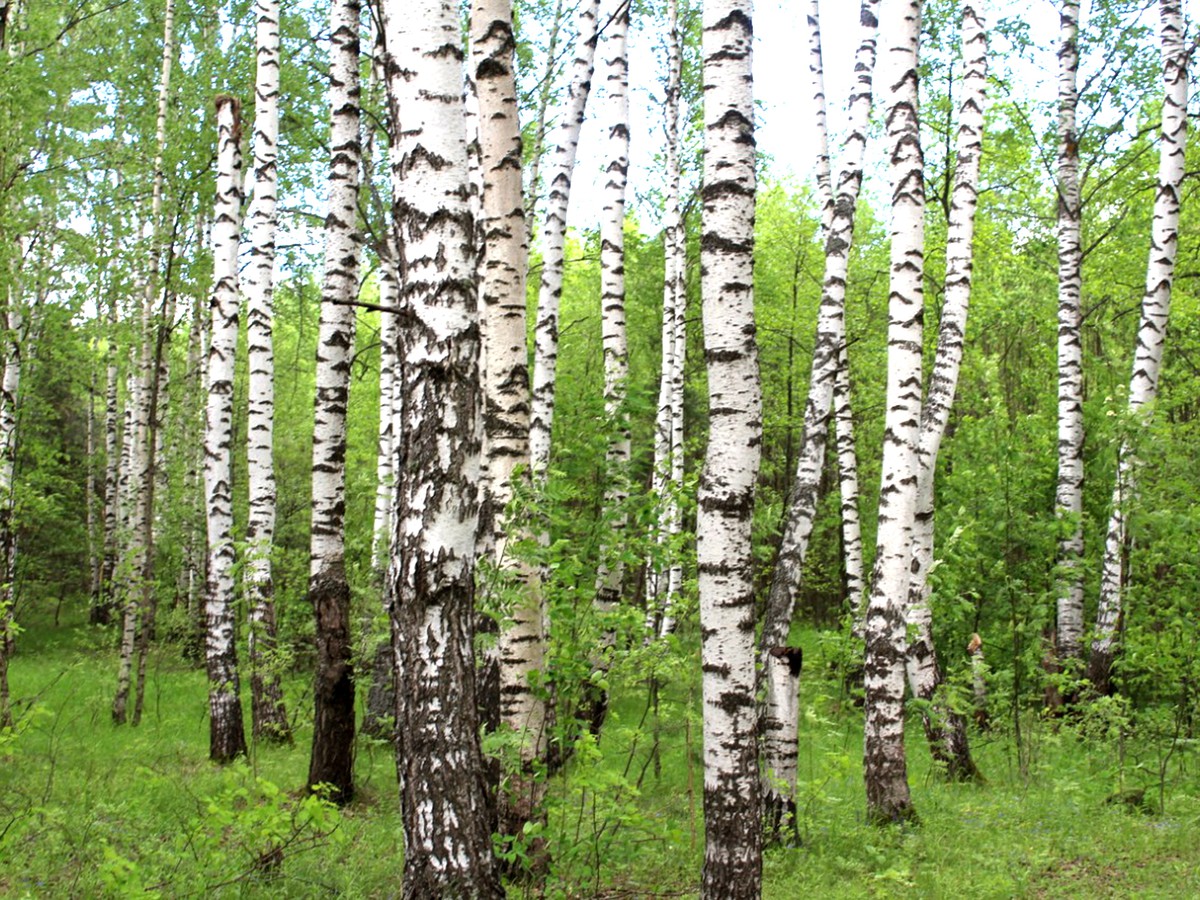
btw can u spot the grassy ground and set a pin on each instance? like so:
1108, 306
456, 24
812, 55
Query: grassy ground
87, 809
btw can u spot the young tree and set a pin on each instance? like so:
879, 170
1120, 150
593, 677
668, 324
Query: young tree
1152, 332
947, 731
9, 384
447, 826
554, 232
733, 828
885, 769
267, 710
332, 760
780, 721
227, 738
1068, 501
615, 344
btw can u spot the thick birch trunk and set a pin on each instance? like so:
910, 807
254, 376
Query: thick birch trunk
332, 759
780, 730
733, 827
946, 730
1068, 502
521, 644
268, 714
885, 768
1151, 336
227, 738
447, 821
554, 232
610, 572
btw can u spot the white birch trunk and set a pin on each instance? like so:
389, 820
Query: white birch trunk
947, 734
554, 232
780, 731
447, 828
332, 759
533, 191
885, 769
521, 644
847, 454
733, 828
1151, 336
1068, 502
227, 738
10, 384
268, 714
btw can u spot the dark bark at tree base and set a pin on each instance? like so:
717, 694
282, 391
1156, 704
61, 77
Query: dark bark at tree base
781, 828
227, 733
379, 720
733, 837
1099, 672
332, 759
268, 714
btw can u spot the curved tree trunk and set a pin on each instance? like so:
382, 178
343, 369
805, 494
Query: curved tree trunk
1152, 332
732, 822
332, 760
447, 824
779, 722
1068, 502
885, 768
947, 730
227, 738
268, 714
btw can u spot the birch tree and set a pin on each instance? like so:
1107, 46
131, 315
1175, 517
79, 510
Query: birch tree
615, 347
1151, 335
10, 382
505, 252
733, 828
227, 738
267, 710
885, 770
780, 663
946, 729
332, 760
447, 830
554, 231
1068, 500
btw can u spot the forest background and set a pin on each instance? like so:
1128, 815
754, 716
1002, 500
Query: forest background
90, 808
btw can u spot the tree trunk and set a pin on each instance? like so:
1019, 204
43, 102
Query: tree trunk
733, 827
522, 643
227, 738
885, 768
780, 730
268, 714
947, 730
332, 760
1068, 502
1151, 336
610, 571
447, 821
9, 386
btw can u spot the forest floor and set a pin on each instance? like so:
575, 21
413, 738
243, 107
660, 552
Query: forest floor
88, 809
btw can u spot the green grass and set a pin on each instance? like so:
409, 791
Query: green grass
89, 809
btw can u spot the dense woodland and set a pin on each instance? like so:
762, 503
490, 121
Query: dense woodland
366, 531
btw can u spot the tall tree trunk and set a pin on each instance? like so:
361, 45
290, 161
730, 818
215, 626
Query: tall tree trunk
847, 456
885, 769
779, 722
227, 738
9, 385
554, 231
447, 823
1068, 502
1151, 336
332, 759
545, 91
112, 471
946, 729
610, 572
522, 643
733, 827
660, 600
268, 714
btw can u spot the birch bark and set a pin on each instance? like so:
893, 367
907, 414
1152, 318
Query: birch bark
1151, 336
227, 738
447, 823
332, 759
885, 770
268, 713
733, 827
